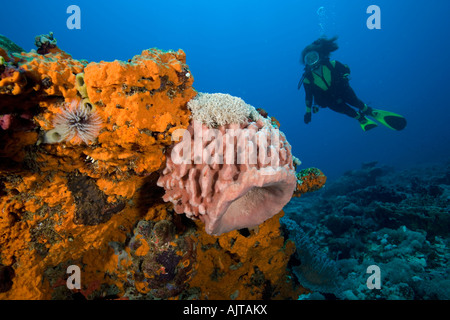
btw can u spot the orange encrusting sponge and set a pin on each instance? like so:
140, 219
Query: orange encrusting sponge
65, 204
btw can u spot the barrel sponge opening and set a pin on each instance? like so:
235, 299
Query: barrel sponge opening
249, 202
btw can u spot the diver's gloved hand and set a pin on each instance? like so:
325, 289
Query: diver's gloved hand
307, 117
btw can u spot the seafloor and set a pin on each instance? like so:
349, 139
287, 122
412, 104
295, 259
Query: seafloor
396, 219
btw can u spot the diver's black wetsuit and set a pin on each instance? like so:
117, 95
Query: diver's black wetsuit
331, 89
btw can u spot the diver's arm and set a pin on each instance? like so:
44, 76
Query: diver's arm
308, 105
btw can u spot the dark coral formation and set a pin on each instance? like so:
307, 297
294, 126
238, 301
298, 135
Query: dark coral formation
398, 220
6, 277
159, 260
92, 205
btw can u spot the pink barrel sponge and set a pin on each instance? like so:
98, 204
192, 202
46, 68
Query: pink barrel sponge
231, 176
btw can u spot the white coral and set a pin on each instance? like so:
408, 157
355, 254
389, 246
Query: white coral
218, 109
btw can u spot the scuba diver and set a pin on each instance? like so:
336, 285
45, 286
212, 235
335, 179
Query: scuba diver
327, 85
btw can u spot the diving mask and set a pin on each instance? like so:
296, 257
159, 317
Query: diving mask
312, 58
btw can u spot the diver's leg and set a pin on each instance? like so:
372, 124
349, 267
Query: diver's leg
351, 98
389, 119
344, 109
366, 124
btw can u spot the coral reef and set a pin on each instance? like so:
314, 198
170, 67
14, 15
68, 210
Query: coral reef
375, 215
313, 269
45, 43
7, 48
309, 180
96, 204
63, 203
257, 258
157, 262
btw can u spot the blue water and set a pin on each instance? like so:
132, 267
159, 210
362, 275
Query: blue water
251, 49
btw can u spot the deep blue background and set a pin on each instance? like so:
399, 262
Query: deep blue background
251, 49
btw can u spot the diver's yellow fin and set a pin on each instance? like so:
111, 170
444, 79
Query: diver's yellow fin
389, 119
367, 124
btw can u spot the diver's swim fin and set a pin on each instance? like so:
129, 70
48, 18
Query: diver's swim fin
367, 124
389, 119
